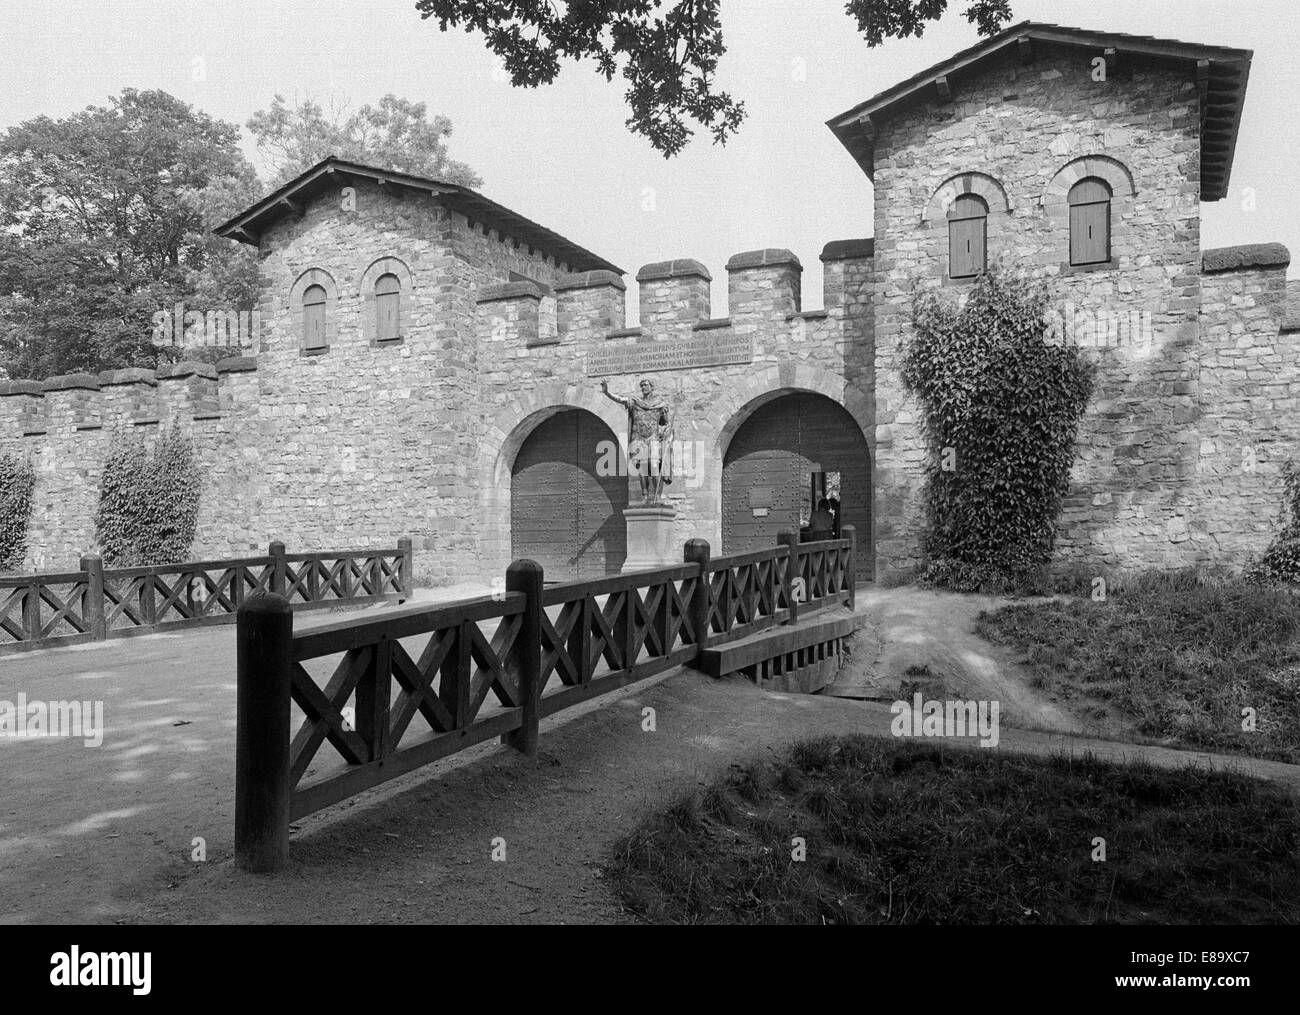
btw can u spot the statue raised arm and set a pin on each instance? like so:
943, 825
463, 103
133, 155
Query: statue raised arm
604, 386
649, 439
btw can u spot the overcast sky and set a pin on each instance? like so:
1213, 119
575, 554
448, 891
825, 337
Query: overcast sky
561, 154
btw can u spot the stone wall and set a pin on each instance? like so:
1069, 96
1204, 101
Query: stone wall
1249, 403
523, 382
363, 441
1019, 136
65, 426
366, 441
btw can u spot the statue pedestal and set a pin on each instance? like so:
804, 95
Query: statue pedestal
650, 541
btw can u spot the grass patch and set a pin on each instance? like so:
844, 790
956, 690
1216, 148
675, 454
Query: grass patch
920, 833
1177, 655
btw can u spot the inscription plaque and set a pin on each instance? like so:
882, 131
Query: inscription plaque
709, 350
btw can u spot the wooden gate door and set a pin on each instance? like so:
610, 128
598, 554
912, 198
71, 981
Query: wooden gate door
562, 514
767, 468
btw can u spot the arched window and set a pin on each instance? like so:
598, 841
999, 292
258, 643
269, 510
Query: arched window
388, 299
313, 317
967, 236
1090, 221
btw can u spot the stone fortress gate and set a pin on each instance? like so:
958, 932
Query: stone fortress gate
429, 363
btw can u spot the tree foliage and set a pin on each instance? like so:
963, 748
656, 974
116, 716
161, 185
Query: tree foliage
106, 217
148, 501
879, 20
1000, 411
667, 52
397, 134
17, 484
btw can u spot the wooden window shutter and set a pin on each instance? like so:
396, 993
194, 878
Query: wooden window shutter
967, 236
1090, 222
388, 299
313, 317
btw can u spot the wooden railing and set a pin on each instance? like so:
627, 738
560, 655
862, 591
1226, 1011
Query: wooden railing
49, 610
535, 650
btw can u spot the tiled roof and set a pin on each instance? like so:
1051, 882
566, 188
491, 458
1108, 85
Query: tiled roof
1221, 75
248, 225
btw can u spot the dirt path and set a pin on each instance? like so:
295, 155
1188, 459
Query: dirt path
932, 634
106, 834
422, 852
83, 830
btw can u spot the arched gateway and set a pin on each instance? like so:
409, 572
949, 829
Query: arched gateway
563, 513
790, 451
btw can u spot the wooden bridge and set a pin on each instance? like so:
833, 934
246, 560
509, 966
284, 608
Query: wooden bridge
775, 614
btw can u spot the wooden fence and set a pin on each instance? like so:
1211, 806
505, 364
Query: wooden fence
47, 610
536, 650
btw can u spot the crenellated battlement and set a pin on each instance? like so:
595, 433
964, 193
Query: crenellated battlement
764, 291
83, 402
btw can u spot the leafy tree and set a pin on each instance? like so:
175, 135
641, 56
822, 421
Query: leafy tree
1001, 407
397, 134
666, 50
105, 218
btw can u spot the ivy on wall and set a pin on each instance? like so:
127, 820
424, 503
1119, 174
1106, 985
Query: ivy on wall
148, 501
1280, 563
1001, 407
17, 484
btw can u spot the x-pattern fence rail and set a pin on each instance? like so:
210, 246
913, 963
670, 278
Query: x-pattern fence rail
412, 686
47, 610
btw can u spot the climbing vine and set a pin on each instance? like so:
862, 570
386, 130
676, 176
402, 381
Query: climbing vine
148, 501
17, 484
1280, 563
1001, 407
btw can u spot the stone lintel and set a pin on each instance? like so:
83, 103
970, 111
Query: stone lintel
22, 388
771, 257
513, 291
846, 250
236, 364
131, 375
588, 280
682, 267
69, 382
1245, 257
177, 371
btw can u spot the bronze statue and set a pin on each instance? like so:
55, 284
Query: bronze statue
649, 440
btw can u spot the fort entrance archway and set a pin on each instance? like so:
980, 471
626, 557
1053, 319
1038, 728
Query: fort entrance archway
789, 451
564, 513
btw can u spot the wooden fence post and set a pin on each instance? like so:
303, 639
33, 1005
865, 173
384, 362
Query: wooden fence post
696, 551
525, 658
92, 606
790, 540
404, 568
374, 699
276, 550
851, 577
264, 665
32, 610
149, 600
